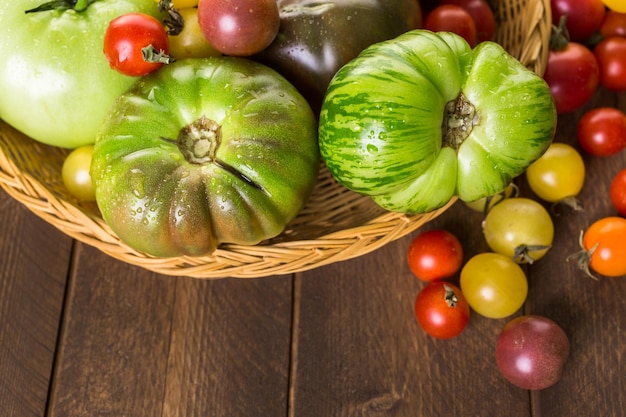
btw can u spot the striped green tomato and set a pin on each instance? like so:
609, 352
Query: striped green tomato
419, 119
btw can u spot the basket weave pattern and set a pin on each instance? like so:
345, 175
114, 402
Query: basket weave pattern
335, 225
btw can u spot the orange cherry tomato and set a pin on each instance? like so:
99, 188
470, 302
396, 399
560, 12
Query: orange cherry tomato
604, 247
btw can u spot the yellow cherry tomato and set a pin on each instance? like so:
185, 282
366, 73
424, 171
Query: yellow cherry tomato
75, 173
616, 5
493, 285
190, 42
519, 228
558, 174
483, 205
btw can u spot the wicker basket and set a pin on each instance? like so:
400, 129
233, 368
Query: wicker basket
335, 225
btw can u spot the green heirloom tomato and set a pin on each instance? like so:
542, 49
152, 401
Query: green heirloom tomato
418, 119
56, 83
205, 151
317, 37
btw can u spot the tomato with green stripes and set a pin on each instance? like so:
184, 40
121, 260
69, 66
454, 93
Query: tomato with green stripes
421, 118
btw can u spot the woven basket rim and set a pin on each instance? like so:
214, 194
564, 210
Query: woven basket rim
530, 36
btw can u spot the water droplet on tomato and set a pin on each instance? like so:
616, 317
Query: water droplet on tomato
136, 181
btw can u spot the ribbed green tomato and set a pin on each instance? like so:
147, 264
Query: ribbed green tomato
205, 151
420, 118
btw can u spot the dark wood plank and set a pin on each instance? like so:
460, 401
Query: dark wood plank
139, 344
113, 348
230, 348
34, 259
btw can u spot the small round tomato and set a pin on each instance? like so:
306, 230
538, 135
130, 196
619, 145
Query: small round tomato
618, 192
611, 56
558, 175
435, 254
519, 228
494, 286
239, 27
584, 17
531, 352
136, 44
603, 247
190, 42
573, 76
452, 18
441, 310
75, 173
616, 5
481, 13
602, 131
614, 24
483, 205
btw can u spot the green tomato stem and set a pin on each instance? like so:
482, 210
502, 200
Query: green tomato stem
77, 5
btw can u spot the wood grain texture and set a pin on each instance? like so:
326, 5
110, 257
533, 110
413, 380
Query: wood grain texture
34, 259
362, 353
138, 344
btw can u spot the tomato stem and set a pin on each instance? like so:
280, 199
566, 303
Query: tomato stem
583, 257
521, 253
174, 22
459, 119
559, 37
150, 54
199, 141
450, 296
76, 5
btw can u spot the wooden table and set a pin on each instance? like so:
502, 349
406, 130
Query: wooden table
83, 335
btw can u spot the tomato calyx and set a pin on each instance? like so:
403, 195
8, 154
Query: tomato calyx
174, 22
571, 202
199, 141
76, 5
150, 54
559, 38
459, 119
521, 253
583, 257
450, 296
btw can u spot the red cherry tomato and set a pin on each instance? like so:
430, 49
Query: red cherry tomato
611, 56
435, 254
573, 76
602, 131
451, 18
125, 41
441, 310
584, 17
481, 13
618, 192
614, 24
